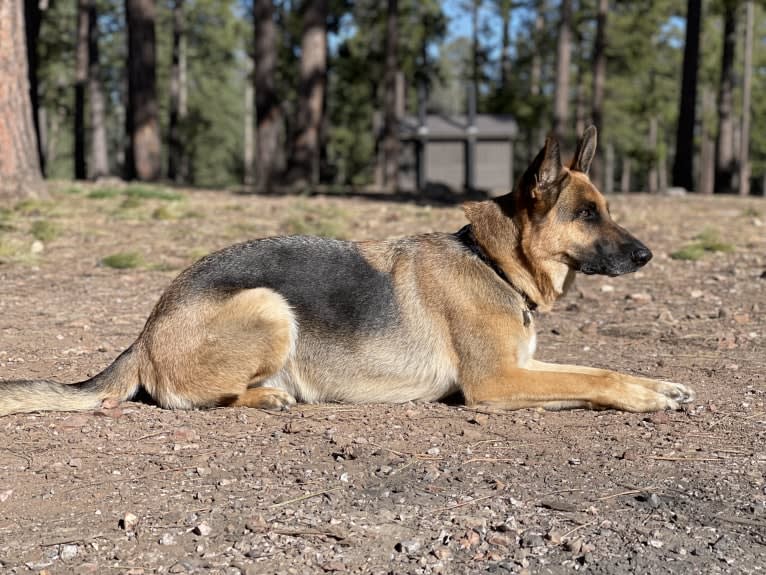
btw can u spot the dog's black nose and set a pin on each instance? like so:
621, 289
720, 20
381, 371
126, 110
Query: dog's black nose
641, 256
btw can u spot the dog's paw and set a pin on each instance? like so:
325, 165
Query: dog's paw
677, 392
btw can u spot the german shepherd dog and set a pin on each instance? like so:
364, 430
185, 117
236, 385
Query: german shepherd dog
273, 321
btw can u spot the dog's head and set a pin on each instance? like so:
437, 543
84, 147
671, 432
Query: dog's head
566, 220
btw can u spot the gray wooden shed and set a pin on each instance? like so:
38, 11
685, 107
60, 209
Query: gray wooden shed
449, 151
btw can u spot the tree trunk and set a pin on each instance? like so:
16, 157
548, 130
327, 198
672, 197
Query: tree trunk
475, 63
536, 135
505, 7
683, 175
747, 81
724, 153
707, 149
580, 92
143, 161
563, 58
99, 153
652, 183
177, 114
599, 81
390, 115
267, 110
313, 69
608, 185
627, 166
33, 20
80, 83
19, 160
248, 135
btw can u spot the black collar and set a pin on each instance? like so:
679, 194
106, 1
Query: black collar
466, 237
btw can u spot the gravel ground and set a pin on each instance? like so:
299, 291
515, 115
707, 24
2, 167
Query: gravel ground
414, 488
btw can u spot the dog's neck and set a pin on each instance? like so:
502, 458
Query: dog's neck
500, 238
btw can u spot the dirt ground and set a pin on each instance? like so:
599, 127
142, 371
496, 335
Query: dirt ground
411, 488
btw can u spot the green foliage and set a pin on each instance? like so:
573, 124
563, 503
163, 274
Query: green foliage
123, 260
44, 230
707, 241
323, 221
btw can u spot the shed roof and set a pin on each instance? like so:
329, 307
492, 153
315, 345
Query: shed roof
488, 126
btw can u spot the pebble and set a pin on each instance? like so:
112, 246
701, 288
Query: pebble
532, 539
433, 451
409, 546
606, 288
68, 552
167, 539
202, 529
37, 247
5, 495
640, 297
129, 522
656, 543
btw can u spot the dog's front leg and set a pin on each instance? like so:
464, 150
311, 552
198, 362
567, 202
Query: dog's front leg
567, 387
677, 391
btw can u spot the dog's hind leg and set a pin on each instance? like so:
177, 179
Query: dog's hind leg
216, 351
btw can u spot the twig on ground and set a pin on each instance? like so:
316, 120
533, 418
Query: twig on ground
304, 497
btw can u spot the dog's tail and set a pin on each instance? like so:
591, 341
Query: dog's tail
119, 381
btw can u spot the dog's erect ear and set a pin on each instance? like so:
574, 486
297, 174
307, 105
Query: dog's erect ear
586, 149
544, 170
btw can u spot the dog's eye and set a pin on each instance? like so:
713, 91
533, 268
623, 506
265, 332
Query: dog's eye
587, 213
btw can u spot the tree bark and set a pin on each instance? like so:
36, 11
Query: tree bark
724, 163
99, 152
505, 7
267, 110
747, 81
390, 115
80, 83
599, 81
652, 182
143, 158
536, 135
33, 20
683, 175
178, 112
313, 69
19, 161
707, 149
248, 134
627, 166
563, 59
475, 63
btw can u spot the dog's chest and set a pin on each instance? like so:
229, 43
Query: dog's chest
525, 350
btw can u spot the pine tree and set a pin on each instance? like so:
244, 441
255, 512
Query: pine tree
19, 166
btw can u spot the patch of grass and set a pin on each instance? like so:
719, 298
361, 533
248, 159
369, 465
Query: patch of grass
707, 241
72, 191
44, 230
131, 203
164, 213
104, 193
33, 207
15, 251
123, 260
751, 212
146, 193
323, 221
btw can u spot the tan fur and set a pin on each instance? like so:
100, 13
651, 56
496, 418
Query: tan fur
460, 326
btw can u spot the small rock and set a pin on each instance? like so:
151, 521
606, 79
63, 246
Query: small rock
606, 288
110, 403
129, 522
554, 537
167, 539
478, 419
574, 461
532, 539
5, 495
256, 524
656, 543
433, 451
498, 539
75, 462
574, 546
202, 529
345, 477
409, 546
332, 566
37, 247
68, 552
695, 293
640, 297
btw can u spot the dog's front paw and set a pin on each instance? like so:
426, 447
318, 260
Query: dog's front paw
677, 392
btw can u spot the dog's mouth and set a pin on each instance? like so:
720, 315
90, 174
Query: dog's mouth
607, 269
